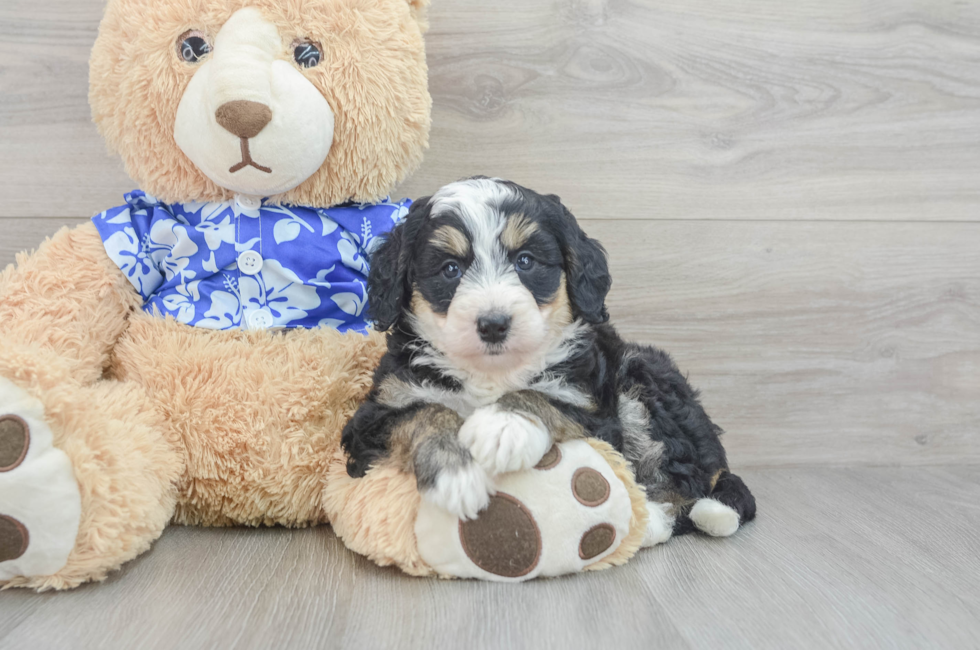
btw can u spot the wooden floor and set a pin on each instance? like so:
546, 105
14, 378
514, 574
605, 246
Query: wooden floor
841, 558
790, 194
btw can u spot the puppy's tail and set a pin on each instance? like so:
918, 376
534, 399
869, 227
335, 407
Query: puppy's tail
720, 514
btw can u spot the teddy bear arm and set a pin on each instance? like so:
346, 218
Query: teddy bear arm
63, 307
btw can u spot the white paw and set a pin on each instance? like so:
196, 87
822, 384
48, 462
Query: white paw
660, 524
503, 441
463, 492
714, 518
40, 505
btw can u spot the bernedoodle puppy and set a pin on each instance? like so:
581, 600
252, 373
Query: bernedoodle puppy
499, 346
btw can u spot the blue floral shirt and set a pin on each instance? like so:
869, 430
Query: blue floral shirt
244, 264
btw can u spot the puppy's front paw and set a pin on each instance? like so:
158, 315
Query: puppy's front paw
462, 491
504, 441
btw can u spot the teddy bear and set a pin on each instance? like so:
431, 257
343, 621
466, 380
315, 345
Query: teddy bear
191, 356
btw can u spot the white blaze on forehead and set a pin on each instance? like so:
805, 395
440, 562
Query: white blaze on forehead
489, 285
477, 202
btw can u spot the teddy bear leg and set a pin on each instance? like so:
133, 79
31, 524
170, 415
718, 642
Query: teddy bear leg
577, 509
375, 515
86, 472
88, 481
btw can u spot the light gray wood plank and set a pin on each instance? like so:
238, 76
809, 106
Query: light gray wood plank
809, 110
813, 343
204, 588
615, 610
839, 558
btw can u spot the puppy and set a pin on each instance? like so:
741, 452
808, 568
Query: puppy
499, 347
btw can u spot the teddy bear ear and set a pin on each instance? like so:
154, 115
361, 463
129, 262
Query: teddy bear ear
418, 9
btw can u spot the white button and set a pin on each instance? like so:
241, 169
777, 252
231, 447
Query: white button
260, 319
250, 262
246, 202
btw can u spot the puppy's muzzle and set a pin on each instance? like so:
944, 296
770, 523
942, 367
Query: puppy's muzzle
493, 328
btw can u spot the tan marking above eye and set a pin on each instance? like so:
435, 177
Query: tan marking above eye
517, 231
451, 240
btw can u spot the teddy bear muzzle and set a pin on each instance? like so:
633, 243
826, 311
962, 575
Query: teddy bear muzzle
249, 119
245, 119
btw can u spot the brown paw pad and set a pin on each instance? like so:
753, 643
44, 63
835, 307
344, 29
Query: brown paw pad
504, 540
596, 540
590, 487
15, 439
551, 458
13, 538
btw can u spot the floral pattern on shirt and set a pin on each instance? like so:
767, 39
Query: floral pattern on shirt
183, 259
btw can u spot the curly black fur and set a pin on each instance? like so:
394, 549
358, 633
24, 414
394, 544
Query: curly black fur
671, 442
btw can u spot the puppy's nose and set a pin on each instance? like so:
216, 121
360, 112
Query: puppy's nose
493, 328
243, 118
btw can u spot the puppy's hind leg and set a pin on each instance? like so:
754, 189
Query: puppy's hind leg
729, 506
660, 524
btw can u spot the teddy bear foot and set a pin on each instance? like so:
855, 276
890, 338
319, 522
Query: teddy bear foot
40, 505
568, 512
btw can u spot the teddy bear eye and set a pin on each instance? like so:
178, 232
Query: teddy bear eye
307, 54
193, 46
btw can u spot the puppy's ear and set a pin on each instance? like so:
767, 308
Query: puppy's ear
388, 280
587, 271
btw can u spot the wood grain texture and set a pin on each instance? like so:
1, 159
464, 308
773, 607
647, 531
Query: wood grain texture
789, 193
830, 343
812, 343
819, 109
839, 558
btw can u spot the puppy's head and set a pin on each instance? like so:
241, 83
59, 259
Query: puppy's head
489, 273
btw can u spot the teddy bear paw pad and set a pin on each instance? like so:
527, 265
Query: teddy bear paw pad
551, 458
596, 540
590, 487
40, 504
14, 442
13, 538
568, 512
504, 540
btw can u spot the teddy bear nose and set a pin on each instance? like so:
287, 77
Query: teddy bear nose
243, 118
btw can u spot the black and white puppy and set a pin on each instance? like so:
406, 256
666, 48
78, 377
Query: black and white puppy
499, 347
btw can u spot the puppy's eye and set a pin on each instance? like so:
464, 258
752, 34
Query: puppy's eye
193, 46
451, 271
307, 54
524, 262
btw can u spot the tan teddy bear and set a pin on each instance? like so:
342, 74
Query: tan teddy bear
192, 356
